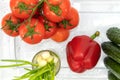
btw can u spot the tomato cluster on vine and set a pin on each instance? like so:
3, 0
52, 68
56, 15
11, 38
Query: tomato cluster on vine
35, 20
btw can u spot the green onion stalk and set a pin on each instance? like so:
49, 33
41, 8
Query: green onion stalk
45, 66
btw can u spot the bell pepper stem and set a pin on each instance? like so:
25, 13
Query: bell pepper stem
96, 34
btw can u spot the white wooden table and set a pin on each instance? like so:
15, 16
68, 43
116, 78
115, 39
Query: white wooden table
94, 15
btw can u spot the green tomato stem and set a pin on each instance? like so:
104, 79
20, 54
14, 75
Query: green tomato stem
54, 8
34, 9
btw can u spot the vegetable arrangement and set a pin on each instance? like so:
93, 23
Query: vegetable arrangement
45, 65
83, 53
35, 20
112, 50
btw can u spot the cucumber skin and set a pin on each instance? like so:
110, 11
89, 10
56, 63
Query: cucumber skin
112, 50
112, 66
111, 76
113, 34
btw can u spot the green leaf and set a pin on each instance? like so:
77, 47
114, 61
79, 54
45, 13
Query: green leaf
65, 23
56, 9
23, 7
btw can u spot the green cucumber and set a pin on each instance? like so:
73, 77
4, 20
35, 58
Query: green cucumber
113, 34
111, 76
113, 66
112, 50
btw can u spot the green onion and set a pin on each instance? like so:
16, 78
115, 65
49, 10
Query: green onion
38, 72
21, 63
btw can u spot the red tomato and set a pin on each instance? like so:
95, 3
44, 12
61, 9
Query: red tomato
10, 25
22, 8
50, 27
72, 19
61, 35
32, 32
56, 13
55, 2
42, 19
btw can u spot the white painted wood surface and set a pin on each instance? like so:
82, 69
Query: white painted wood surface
94, 15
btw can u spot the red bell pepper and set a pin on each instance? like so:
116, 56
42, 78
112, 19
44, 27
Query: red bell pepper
83, 53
